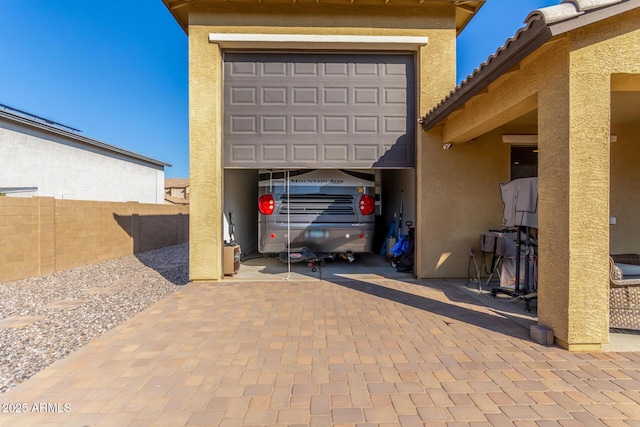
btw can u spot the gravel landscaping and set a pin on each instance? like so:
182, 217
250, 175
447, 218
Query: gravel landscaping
43, 319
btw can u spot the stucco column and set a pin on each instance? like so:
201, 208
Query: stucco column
421, 144
573, 123
206, 171
428, 182
436, 76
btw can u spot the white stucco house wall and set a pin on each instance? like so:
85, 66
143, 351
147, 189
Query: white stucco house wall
40, 158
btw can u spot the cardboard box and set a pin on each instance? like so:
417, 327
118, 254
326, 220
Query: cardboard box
231, 260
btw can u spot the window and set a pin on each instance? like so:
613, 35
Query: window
524, 161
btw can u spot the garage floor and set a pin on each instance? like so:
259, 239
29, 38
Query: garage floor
366, 266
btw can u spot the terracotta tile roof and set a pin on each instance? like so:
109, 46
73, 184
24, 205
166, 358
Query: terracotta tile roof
541, 25
176, 182
175, 200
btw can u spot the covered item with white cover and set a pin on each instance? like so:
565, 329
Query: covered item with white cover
520, 198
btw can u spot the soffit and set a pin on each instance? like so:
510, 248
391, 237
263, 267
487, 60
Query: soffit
625, 111
465, 9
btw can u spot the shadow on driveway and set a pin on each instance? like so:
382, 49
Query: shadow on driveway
451, 312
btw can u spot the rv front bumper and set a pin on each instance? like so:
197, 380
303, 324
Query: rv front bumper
325, 238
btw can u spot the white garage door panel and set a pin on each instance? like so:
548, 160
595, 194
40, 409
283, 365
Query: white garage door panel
312, 111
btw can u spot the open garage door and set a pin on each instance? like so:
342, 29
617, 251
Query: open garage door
319, 110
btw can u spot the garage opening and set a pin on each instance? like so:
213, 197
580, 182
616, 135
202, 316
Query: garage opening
318, 114
395, 204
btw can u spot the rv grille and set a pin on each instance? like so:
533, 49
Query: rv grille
317, 204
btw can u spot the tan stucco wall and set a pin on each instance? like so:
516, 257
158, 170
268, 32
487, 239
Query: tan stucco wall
462, 195
594, 54
554, 216
460, 199
436, 74
205, 157
321, 18
436, 78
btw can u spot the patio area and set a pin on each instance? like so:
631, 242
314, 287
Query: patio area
340, 351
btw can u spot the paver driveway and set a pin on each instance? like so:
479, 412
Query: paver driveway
320, 353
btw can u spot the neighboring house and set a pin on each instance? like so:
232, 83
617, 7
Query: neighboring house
176, 191
571, 77
43, 158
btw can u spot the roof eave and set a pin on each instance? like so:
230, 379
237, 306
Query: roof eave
526, 40
466, 9
532, 39
179, 12
472, 11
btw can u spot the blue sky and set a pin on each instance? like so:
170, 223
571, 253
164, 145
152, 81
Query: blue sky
118, 71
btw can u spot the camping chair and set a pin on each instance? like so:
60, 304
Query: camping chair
624, 291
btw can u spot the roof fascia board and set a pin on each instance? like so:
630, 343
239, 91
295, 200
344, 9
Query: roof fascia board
529, 41
79, 138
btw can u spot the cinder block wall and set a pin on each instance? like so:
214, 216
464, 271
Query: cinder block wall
42, 235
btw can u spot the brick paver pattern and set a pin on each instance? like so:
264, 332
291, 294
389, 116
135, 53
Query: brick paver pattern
320, 353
